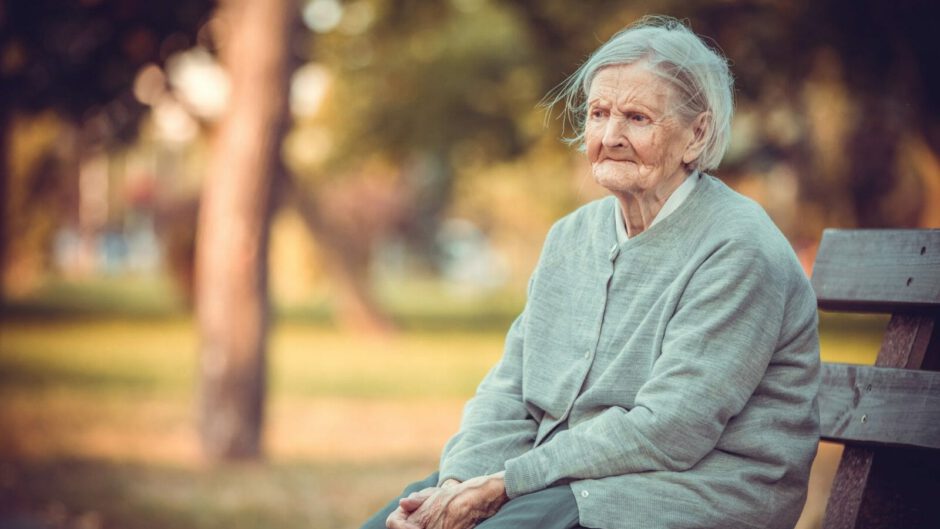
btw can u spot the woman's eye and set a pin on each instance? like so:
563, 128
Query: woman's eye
639, 118
597, 113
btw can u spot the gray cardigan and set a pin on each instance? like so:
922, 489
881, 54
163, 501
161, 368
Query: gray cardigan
671, 380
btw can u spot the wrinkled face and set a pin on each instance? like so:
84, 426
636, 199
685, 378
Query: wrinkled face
634, 140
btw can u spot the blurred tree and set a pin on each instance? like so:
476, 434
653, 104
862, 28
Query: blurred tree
234, 225
420, 91
78, 58
843, 91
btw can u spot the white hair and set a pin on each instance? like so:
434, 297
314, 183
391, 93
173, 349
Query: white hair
699, 73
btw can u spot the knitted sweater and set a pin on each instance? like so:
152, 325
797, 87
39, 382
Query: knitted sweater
671, 379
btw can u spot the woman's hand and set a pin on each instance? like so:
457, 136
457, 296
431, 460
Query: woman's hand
399, 517
460, 506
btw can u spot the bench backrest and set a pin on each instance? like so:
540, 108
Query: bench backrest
887, 415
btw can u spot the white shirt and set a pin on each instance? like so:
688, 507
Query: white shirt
672, 203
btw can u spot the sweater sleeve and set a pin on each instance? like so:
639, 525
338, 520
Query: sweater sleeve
715, 350
496, 424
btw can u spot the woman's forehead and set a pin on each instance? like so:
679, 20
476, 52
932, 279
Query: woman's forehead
624, 83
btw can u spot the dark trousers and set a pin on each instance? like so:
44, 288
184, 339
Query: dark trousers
552, 508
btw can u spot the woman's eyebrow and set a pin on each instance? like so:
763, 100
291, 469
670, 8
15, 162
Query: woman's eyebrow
634, 105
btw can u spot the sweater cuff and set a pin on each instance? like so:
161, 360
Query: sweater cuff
456, 471
524, 474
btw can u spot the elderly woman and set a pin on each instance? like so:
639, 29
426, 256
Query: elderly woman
663, 373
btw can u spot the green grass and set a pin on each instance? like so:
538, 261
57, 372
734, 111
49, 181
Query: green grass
97, 410
118, 296
98, 423
314, 362
134, 356
415, 305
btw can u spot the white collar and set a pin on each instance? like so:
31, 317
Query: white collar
672, 203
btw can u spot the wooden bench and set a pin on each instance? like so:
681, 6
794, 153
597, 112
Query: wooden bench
886, 415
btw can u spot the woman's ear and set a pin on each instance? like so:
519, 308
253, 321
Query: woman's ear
697, 143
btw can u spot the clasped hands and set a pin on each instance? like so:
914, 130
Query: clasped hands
453, 505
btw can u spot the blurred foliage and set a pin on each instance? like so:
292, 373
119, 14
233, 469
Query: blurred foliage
835, 95
69, 66
428, 111
33, 196
434, 82
835, 123
80, 57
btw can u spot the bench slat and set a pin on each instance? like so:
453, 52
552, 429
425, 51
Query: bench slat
866, 404
878, 270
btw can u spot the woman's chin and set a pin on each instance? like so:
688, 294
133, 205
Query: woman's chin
616, 183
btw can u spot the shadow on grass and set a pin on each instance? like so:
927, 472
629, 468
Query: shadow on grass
96, 494
483, 316
16, 375
129, 297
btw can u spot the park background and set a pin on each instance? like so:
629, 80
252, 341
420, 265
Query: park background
383, 176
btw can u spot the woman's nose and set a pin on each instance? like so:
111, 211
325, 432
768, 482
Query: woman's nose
614, 133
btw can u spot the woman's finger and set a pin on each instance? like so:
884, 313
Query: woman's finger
399, 520
416, 499
412, 502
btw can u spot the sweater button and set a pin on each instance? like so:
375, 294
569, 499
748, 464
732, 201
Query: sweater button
585, 494
587, 354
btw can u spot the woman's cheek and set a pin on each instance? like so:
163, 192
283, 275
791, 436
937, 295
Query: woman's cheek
647, 148
591, 142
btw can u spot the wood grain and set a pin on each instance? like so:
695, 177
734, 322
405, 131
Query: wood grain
873, 405
890, 468
878, 270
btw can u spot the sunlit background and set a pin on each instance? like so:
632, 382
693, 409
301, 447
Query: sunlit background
412, 178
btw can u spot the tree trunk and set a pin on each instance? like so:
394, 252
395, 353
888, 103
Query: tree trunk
233, 226
346, 260
6, 122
